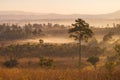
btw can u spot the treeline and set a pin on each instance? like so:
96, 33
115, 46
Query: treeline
50, 50
115, 29
14, 31
10, 32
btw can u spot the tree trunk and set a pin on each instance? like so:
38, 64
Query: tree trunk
80, 47
94, 66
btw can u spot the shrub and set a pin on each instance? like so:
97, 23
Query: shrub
110, 67
93, 60
11, 63
41, 41
46, 62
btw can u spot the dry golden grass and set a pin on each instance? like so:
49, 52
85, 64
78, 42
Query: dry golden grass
45, 74
65, 70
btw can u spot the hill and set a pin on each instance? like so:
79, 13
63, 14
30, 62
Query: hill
21, 15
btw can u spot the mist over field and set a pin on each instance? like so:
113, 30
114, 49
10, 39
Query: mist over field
21, 18
59, 39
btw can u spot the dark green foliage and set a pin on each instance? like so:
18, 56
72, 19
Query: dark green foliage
46, 62
93, 60
11, 63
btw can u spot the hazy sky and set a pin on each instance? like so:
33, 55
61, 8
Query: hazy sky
61, 6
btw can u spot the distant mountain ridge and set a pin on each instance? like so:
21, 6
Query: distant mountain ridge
21, 15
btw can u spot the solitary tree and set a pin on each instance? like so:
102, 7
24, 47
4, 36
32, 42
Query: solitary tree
93, 60
80, 32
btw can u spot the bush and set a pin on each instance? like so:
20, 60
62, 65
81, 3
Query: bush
41, 41
46, 63
110, 66
11, 63
93, 60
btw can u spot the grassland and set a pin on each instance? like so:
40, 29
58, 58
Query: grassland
64, 69
51, 74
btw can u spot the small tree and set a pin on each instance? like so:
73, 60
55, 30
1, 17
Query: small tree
80, 31
93, 60
41, 41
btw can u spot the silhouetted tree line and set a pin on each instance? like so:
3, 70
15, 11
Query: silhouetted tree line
18, 32
114, 29
15, 31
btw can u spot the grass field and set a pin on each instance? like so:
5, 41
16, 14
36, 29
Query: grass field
64, 69
51, 74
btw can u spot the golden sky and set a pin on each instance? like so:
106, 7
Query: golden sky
61, 6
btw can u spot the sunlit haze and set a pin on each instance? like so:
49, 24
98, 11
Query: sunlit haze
61, 6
